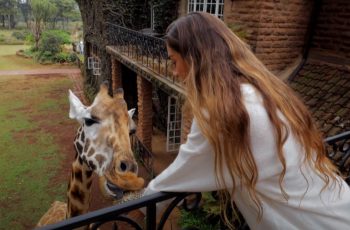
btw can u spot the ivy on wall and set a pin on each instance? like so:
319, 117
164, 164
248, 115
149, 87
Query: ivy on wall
134, 14
165, 11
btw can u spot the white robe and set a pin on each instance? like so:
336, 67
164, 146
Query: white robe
193, 171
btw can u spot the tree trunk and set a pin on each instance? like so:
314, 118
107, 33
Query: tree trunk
9, 21
37, 34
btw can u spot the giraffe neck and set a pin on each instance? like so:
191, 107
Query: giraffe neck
79, 187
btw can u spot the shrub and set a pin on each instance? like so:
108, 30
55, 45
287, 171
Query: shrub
61, 57
51, 44
20, 35
30, 39
52, 40
72, 57
208, 216
44, 57
62, 37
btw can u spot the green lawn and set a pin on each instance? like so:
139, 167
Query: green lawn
11, 49
29, 154
7, 38
10, 61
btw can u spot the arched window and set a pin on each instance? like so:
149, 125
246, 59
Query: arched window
215, 7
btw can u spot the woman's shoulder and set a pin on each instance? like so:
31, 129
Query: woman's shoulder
250, 94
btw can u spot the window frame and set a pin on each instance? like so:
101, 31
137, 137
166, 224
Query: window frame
202, 6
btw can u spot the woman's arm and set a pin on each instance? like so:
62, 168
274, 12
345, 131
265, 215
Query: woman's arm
191, 171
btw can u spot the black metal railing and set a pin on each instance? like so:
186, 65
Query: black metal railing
118, 214
338, 148
148, 51
142, 154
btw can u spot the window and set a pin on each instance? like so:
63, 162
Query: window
90, 62
173, 139
96, 66
215, 7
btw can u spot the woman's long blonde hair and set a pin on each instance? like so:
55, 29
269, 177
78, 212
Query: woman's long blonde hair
218, 63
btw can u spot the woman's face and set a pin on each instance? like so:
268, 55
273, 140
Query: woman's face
180, 67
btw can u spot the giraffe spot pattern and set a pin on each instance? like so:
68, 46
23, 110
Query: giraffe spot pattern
87, 145
92, 165
79, 147
82, 137
75, 211
88, 173
77, 194
100, 159
91, 151
80, 160
83, 158
78, 175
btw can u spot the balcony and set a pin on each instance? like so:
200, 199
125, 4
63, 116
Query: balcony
338, 148
144, 54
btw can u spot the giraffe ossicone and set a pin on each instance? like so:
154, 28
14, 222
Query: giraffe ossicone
103, 147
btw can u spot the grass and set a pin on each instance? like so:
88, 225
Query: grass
11, 49
29, 155
10, 61
7, 38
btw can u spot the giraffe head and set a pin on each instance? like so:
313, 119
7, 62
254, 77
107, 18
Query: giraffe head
103, 141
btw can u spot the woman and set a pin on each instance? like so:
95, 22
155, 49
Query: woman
251, 135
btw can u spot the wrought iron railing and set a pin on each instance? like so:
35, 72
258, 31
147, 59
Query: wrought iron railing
338, 150
142, 154
148, 51
117, 213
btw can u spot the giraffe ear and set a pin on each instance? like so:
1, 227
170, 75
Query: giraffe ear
131, 112
77, 110
132, 125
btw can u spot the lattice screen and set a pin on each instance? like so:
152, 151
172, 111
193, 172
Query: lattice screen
173, 140
90, 62
96, 67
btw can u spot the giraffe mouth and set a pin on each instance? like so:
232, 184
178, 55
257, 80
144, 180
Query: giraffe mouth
115, 191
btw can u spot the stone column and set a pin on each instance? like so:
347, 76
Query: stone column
116, 74
144, 104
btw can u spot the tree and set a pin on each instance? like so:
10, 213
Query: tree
24, 6
42, 11
66, 10
8, 10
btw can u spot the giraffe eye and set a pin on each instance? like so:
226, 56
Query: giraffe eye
89, 121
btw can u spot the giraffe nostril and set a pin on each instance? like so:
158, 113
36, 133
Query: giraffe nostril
123, 166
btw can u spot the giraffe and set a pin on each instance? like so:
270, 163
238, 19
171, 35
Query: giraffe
102, 146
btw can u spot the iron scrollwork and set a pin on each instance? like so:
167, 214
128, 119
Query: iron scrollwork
338, 149
117, 213
148, 50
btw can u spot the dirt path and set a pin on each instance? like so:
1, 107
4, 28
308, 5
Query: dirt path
41, 71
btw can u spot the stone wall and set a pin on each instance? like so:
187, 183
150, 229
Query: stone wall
275, 30
333, 26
